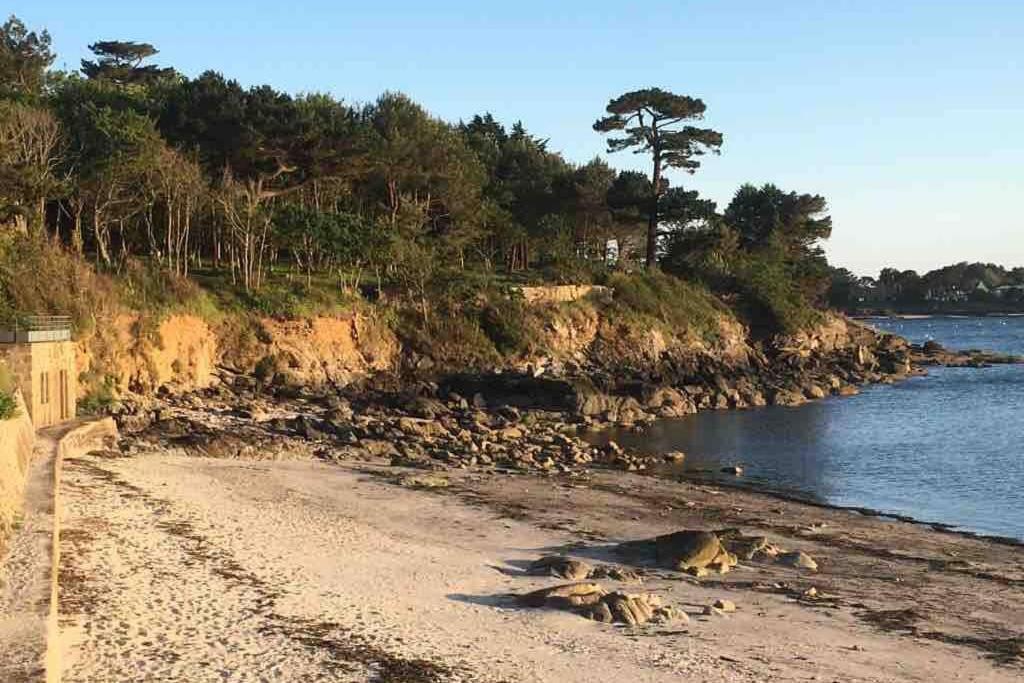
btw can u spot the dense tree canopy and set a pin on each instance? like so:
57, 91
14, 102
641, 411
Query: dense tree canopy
961, 286
129, 162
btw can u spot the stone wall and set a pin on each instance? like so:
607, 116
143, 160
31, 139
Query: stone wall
553, 294
17, 438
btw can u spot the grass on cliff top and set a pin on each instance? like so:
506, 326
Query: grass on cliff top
673, 304
282, 295
39, 277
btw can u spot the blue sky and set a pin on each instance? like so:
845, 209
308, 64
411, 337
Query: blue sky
907, 115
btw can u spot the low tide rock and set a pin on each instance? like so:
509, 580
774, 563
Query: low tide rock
724, 605
608, 571
629, 609
562, 567
798, 559
632, 610
687, 549
565, 596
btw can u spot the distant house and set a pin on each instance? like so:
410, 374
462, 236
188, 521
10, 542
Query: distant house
41, 357
1009, 291
945, 294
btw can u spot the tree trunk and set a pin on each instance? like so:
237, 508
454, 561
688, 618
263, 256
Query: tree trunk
651, 258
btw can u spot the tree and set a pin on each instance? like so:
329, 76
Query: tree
765, 214
120, 62
177, 190
653, 122
259, 145
628, 199
24, 58
110, 150
592, 217
29, 155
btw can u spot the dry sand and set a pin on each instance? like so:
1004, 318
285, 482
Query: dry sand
189, 569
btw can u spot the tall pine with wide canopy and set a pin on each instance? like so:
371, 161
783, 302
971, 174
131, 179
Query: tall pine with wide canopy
654, 121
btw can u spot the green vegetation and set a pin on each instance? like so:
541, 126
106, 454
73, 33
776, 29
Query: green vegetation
100, 397
961, 287
762, 253
204, 196
8, 405
667, 302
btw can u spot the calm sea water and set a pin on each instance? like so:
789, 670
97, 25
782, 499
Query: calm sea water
945, 448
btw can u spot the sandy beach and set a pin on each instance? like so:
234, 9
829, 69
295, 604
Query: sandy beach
192, 569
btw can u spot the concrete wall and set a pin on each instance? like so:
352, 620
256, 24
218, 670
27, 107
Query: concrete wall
16, 441
30, 643
551, 294
46, 373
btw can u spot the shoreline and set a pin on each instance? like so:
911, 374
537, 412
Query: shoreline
928, 316
780, 494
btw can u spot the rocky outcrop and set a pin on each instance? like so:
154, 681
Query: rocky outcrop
934, 353
592, 601
699, 552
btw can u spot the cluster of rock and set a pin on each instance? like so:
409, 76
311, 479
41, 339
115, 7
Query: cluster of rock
699, 552
592, 601
411, 429
789, 375
501, 421
934, 353
691, 551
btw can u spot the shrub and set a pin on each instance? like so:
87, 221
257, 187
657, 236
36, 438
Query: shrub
451, 340
100, 399
8, 406
145, 286
40, 277
510, 324
666, 300
771, 297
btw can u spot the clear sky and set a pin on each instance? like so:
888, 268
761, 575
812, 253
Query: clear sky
908, 115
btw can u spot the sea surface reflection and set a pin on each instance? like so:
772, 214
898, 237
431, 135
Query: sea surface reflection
945, 448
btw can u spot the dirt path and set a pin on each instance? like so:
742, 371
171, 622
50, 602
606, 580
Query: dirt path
186, 569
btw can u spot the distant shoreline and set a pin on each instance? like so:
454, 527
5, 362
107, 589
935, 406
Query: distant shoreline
926, 316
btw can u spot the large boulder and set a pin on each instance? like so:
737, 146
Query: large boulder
562, 567
565, 596
687, 549
669, 402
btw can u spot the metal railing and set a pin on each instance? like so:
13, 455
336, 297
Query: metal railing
42, 323
35, 328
